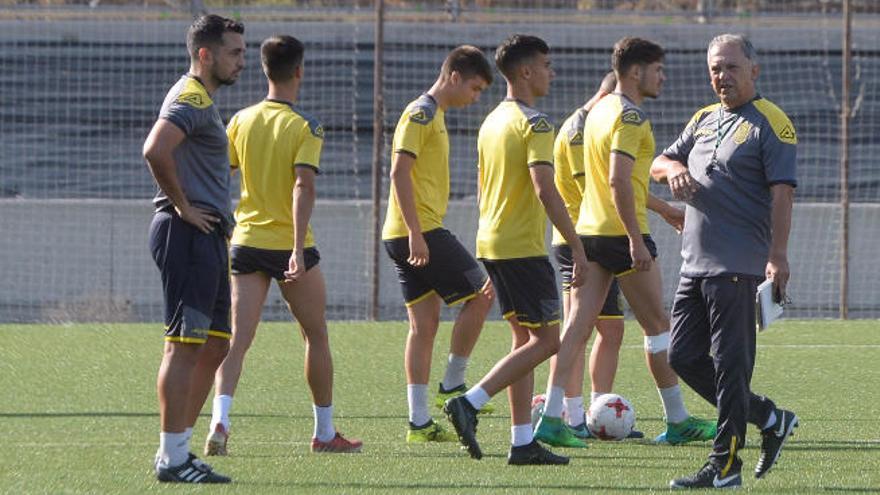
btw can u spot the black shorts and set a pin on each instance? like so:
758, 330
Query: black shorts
525, 288
272, 262
611, 309
451, 272
612, 252
195, 278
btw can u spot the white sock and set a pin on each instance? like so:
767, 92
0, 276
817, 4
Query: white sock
417, 397
173, 449
477, 397
770, 421
521, 435
553, 404
220, 411
595, 395
673, 404
574, 410
455, 368
324, 430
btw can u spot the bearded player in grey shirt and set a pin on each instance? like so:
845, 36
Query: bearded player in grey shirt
734, 166
188, 154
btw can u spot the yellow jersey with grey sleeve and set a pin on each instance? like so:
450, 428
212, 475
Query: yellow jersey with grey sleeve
614, 125
568, 165
421, 133
267, 141
513, 138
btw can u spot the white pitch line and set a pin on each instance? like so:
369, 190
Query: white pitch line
799, 346
58, 445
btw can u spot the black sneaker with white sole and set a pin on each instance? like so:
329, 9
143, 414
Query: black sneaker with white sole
191, 471
772, 440
534, 454
709, 476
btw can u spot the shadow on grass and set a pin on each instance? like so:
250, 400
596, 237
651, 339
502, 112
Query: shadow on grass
526, 486
825, 445
118, 414
124, 414
850, 489
451, 486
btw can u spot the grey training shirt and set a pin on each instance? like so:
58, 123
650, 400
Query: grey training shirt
203, 157
727, 221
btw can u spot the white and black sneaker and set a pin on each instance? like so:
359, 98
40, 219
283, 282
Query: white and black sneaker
191, 471
772, 440
709, 476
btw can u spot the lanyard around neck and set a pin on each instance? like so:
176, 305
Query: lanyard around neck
719, 136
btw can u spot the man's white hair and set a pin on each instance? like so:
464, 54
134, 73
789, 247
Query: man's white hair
740, 39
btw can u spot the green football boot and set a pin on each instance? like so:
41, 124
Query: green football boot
431, 432
553, 431
693, 429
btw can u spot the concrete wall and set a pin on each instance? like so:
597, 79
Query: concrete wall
83, 260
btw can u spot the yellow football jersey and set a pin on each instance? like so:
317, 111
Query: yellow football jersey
568, 155
513, 138
614, 125
421, 133
266, 142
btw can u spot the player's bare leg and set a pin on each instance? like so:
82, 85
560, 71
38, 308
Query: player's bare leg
173, 389
465, 332
248, 296
519, 393
307, 300
586, 303
530, 348
173, 385
468, 325
573, 403
543, 343
211, 355
604, 356
644, 292
424, 319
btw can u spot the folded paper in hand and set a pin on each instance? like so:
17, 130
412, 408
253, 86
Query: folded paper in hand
768, 309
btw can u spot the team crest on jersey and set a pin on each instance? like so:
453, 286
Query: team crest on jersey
193, 99
577, 139
704, 131
419, 116
631, 116
787, 135
318, 131
742, 133
541, 125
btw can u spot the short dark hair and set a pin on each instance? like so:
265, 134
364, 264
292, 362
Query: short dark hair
468, 61
634, 51
280, 56
207, 32
517, 49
